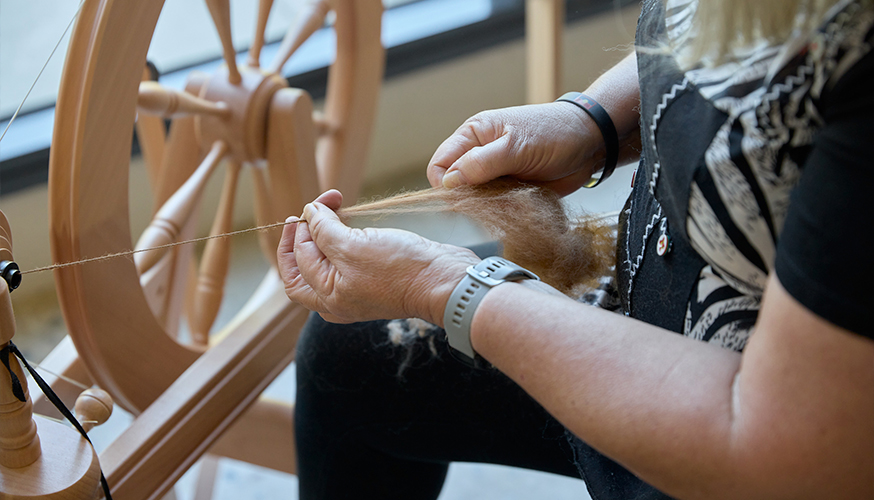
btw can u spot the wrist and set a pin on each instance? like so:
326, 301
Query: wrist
433, 286
463, 303
584, 147
606, 131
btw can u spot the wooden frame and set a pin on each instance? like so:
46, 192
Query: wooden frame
187, 396
194, 396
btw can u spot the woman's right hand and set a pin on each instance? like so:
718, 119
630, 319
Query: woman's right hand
552, 144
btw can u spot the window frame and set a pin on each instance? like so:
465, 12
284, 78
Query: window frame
29, 137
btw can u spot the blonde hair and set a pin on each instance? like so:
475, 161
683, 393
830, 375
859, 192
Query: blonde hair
735, 24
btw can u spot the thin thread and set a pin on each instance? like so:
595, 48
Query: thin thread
62, 377
159, 247
530, 221
55, 420
15, 115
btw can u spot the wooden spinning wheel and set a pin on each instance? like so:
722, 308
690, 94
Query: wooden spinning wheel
121, 314
244, 114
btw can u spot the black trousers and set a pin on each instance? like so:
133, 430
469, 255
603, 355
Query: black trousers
379, 420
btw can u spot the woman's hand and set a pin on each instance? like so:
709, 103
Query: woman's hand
349, 274
556, 145
552, 144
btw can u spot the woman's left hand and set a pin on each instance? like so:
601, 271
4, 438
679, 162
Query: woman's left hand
349, 274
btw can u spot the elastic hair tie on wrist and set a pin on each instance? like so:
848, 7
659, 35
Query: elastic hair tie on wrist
605, 125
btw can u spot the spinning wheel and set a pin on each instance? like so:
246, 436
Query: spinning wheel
122, 314
119, 312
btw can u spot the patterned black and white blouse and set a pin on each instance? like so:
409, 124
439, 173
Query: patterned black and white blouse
763, 164
718, 185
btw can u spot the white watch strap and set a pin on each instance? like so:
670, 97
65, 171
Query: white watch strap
464, 300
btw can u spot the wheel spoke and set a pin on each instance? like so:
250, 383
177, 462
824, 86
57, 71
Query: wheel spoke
153, 98
170, 219
151, 134
264, 7
265, 213
221, 16
182, 153
214, 263
308, 20
166, 284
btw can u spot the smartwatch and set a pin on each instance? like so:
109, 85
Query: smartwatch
464, 300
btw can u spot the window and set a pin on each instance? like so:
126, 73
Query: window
415, 32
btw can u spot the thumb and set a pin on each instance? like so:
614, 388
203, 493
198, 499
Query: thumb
480, 164
325, 229
315, 245
332, 198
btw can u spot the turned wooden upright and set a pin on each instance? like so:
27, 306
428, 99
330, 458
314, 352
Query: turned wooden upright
39, 458
19, 442
544, 25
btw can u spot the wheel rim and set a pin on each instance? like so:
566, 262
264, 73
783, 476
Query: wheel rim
107, 314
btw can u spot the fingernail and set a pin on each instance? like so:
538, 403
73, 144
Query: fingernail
292, 218
308, 210
453, 179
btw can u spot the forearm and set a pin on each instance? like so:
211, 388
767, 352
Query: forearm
790, 418
650, 399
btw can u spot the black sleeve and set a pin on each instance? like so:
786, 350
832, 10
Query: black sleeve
824, 256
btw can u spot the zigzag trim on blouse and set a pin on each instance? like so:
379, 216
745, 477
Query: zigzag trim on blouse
666, 98
633, 266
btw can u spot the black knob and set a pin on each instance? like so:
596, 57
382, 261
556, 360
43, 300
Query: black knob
11, 273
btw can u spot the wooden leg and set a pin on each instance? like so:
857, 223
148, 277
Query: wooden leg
544, 22
263, 436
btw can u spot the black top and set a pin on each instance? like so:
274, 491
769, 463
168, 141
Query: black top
761, 164
756, 165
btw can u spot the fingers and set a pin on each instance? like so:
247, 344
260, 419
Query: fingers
286, 241
448, 153
297, 249
461, 161
296, 288
481, 164
478, 131
285, 252
319, 246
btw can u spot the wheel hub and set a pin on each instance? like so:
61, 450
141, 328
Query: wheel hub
244, 130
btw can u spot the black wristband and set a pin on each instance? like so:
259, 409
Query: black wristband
605, 125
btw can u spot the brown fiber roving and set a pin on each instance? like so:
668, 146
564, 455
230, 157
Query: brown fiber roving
530, 222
